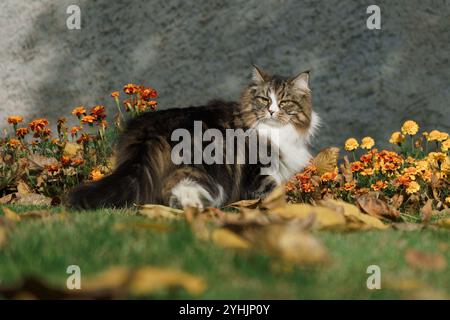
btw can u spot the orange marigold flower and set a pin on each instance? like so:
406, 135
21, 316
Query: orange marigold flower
14, 143
307, 187
15, 119
74, 130
349, 186
379, 185
130, 88
402, 180
96, 175
88, 119
22, 132
328, 176
367, 143
289, 187
98, 112
115, 94
46, 132
412, 187
38, 125
148, 93
65, 161
356, 166
410, 127
79, 111
445, 147
437, 135
368, 172
351, 144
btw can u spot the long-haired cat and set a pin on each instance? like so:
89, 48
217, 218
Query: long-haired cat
145, 170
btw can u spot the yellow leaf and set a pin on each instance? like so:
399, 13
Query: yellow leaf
326, 160
275, 199
353, 214
72, 149
155, 211
443, 223
251, 203
228, 239
11, 215
324, 218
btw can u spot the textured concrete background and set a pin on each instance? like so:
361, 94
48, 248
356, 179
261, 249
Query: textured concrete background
364, 82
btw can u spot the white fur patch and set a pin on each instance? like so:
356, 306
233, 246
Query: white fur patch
274, 108
292, 146
188, 193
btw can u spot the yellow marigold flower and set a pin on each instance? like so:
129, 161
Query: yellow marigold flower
379, 185
422, 165
437, 135
79, 111
88, 119
445, 145
435, 158
397, 138
413, 187
367, 143
115, 94
445, 166
14, 143
96, 175
351, 144
447, 200
15, 119
410, 127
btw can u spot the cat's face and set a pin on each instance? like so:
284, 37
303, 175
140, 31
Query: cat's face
278, 101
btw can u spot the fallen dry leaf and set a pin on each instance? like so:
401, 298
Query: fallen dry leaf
326, 160
353, 214
376, 207
11, 214
427, 211
346, 170
8, 199
36, 162
114, 283
396, 201
251, 203
425, 260
32, 199
228, 239
443, 223
23, 187
323, 218
155, 211
275, 199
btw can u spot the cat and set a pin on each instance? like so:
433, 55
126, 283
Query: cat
145, 171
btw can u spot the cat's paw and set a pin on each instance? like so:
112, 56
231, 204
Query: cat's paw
188, 193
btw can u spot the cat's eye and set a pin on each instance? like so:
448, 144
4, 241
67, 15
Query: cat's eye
283, 103
262, 100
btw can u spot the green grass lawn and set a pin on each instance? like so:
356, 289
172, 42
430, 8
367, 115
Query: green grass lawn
92, 241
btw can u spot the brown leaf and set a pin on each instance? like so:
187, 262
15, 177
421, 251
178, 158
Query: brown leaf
326, 160
397, 200
8, 199
346, 170
376, 207
23, 187
425, 261
427, 211
251, 203
37, 162
32, 199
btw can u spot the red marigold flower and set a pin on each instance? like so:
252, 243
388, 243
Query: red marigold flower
379, 185
74, 130
356, 166
98, 112
65, 161
84, 137
38, 125
307, 187
77, 161
15, 119
52, 168
22, 132
130, 88
148, 93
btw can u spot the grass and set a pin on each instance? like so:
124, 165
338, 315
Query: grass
92, 241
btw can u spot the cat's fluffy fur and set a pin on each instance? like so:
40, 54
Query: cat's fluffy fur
145, 172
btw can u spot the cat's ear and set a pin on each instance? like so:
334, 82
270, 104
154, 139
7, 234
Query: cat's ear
301, 81
258, 75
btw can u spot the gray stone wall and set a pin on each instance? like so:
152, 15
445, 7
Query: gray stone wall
364, 82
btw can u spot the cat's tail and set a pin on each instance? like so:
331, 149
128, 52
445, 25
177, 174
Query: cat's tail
132, 182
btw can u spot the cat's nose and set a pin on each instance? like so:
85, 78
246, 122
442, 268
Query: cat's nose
271, 112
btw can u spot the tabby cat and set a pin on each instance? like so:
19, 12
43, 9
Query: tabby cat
146, 173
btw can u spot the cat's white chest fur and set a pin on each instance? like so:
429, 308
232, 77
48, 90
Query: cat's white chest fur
292, 148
